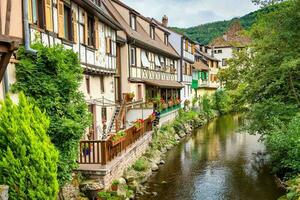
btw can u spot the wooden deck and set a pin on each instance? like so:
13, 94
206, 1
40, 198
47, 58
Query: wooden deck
96, 153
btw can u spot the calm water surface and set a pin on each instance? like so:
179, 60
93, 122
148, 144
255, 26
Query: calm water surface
218, 162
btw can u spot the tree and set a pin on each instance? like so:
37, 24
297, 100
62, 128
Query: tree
265, 3
270, 69
28, 159
52, 79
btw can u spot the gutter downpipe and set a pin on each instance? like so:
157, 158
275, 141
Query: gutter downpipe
28, 49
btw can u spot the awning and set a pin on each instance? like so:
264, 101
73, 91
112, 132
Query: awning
157, 62
145, 61
164, 84
201, 66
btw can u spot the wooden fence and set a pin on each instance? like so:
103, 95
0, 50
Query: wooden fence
104, 151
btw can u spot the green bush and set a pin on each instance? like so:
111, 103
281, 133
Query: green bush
222, 102
207, 106
140, 165
284, 147
293, 189
28, 160
52, 79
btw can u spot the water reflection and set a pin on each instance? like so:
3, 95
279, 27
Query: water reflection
216, 163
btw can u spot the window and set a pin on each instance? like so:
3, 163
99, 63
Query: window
91, 38
104, 114
108, 46
67, 23
38, 13
152, 32
133, 21
224, 62
133, 56
166, 39
219, 51
87, 82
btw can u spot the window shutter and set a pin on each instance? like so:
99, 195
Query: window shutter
96, 33
74, 23
48, 15
193, 48
186, 45
86, 28
60, 9
108, 45
30, 11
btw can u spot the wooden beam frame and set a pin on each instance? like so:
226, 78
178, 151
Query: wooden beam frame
5, 57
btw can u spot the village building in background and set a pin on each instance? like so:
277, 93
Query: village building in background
223, 47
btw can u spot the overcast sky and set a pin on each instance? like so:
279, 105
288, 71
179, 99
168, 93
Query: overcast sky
187, 13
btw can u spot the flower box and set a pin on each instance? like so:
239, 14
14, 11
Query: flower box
129, 97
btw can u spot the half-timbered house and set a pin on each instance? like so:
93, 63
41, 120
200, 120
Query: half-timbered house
84, 27
149, 63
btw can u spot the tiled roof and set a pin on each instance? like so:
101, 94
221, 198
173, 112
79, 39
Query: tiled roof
232, 38
199, 65
140, 36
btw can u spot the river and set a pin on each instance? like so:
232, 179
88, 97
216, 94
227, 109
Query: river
218, 162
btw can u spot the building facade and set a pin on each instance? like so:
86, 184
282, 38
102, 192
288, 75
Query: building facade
149, 63
185, 47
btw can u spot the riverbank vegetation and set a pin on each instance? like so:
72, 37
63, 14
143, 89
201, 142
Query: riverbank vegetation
266, 77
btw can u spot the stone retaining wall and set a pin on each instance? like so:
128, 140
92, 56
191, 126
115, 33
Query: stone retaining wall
3, 192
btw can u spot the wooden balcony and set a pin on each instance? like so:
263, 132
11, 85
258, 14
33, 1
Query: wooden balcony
102, 152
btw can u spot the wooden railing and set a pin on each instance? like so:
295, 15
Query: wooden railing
104, 151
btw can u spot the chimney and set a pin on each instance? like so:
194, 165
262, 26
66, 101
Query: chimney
165, 21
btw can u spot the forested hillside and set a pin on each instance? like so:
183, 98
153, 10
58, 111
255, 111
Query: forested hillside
205, 33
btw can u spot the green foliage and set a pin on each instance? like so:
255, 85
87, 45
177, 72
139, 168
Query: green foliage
265, 77
206, 33
115, 182
140, 165
222, 102
207, 106
283, 145
293, 189
108, 195
28, 160
53, 79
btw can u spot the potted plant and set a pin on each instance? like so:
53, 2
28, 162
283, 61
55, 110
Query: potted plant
117, 138
152, 117
139, 124
86, 149
114, 185
170, 103
164, 105
129, 97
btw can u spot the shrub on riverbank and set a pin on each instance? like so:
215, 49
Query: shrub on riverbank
284, 147
28, 159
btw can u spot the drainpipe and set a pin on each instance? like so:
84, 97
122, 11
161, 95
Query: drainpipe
28, 49
5, 82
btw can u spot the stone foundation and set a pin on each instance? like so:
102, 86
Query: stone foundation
114, 170
3, 192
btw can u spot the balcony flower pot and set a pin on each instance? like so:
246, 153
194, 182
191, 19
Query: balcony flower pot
118, 138
129, 97
139, 125
86, 150
115, 185
164, 106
